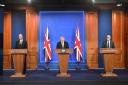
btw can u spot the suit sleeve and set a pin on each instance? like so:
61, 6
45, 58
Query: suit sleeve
57, 46
113, 46
67, 46
16, 45
103, 45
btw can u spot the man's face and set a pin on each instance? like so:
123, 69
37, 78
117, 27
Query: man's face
20, 36
61, 38
108, 37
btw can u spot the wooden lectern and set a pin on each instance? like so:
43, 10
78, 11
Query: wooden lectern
108, 54
19, 61
63, 56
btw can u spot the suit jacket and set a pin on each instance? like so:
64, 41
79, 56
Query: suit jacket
59, 45
104, 45
24, 44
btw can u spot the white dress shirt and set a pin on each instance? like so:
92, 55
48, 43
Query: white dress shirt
21, 41
62, 43
108, 43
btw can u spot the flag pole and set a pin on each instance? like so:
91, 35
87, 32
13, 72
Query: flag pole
78, 62
46, 62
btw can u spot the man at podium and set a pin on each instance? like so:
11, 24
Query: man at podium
108, 51
20, 43
108, 43
62, 44
63, 51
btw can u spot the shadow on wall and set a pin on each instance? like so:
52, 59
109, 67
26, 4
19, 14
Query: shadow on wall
1, 40
1, 53
1, 61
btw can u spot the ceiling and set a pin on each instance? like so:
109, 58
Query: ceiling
62, 1
62, 4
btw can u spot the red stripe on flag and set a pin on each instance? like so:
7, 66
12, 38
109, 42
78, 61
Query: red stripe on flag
78, 46
47, 47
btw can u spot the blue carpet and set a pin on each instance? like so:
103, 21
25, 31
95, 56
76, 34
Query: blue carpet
85, 75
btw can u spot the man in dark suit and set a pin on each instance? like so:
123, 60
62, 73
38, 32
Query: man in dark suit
62, 44
108, 43
21, 44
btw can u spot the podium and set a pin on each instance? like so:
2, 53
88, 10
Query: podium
19, 56
63, 56
108, 54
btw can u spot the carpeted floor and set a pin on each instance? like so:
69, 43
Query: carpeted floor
87, 75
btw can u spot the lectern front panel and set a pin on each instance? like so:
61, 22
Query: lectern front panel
63, 62
19, 61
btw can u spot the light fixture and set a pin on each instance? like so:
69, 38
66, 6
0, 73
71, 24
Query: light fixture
29, 1
2, 5
119, 4
93, 1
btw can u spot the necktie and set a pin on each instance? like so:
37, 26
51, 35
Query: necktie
62, 44
107, 44
21, 42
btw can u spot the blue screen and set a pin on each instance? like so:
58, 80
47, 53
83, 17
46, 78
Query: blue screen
62, 23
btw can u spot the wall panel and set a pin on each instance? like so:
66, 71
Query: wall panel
118, 35
126, 38
32, 38
92, 39
7, 40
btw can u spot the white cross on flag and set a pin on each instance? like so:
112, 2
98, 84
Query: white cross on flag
47, 47
78, 46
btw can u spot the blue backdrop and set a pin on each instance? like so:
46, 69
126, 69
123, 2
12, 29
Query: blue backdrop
62, 23
1, 28
1, 40
1, 21
105, 27
18, 25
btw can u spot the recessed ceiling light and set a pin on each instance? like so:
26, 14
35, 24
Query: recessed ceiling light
2, 5
119, 4
93, 1
29, 1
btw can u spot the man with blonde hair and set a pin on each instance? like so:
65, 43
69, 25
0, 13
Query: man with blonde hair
62, 44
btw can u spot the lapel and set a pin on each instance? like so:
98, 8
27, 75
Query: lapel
110, 43
22, 43
106, 43
61, 44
